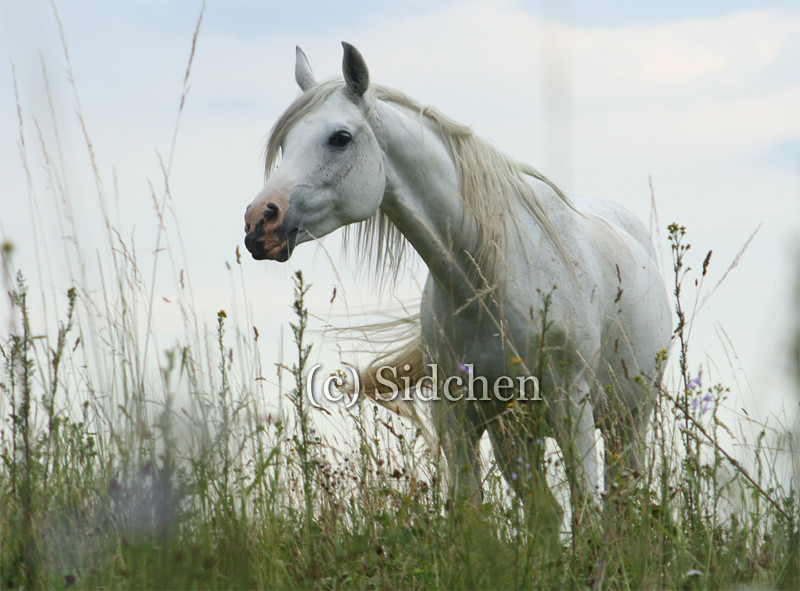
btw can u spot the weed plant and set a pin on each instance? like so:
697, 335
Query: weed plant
116, 474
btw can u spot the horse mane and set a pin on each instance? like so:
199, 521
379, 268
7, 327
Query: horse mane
490, 183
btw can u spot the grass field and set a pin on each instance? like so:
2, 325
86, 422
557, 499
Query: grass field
120, 471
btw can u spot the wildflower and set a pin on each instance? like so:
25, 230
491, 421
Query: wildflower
694, 573
527, 469
696, 383
516, 360
466, 368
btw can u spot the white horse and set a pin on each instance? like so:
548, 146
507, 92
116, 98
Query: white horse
522, 281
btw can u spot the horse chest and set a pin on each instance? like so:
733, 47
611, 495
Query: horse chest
462, 337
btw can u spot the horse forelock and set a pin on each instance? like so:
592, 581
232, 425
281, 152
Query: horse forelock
490, 185
303, 104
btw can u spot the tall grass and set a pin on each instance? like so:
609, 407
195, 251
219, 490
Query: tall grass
119, 472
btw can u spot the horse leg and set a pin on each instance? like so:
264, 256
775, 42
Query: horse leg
519, 451
573, 424
460, 433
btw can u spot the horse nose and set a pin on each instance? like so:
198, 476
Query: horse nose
252, 242
252, 220
271, 211
261, 224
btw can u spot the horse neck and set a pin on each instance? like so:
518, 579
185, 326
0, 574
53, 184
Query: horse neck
421, 196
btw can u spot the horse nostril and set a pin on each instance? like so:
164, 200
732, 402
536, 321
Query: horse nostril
271, 211
246, 228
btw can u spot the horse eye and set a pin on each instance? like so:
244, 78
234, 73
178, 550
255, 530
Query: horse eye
340, 139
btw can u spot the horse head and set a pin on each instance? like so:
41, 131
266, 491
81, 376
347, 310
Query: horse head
331, 167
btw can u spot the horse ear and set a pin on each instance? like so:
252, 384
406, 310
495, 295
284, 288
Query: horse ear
355, 71
302, 71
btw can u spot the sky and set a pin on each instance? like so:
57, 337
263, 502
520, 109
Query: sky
699, 99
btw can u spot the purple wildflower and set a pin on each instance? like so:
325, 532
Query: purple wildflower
527, 469
696, 383
466, 368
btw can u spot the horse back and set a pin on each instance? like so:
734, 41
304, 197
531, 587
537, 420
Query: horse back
618, 216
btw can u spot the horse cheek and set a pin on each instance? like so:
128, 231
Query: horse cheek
368, 185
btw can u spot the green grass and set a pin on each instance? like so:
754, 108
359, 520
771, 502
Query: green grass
120, 472
124, 491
